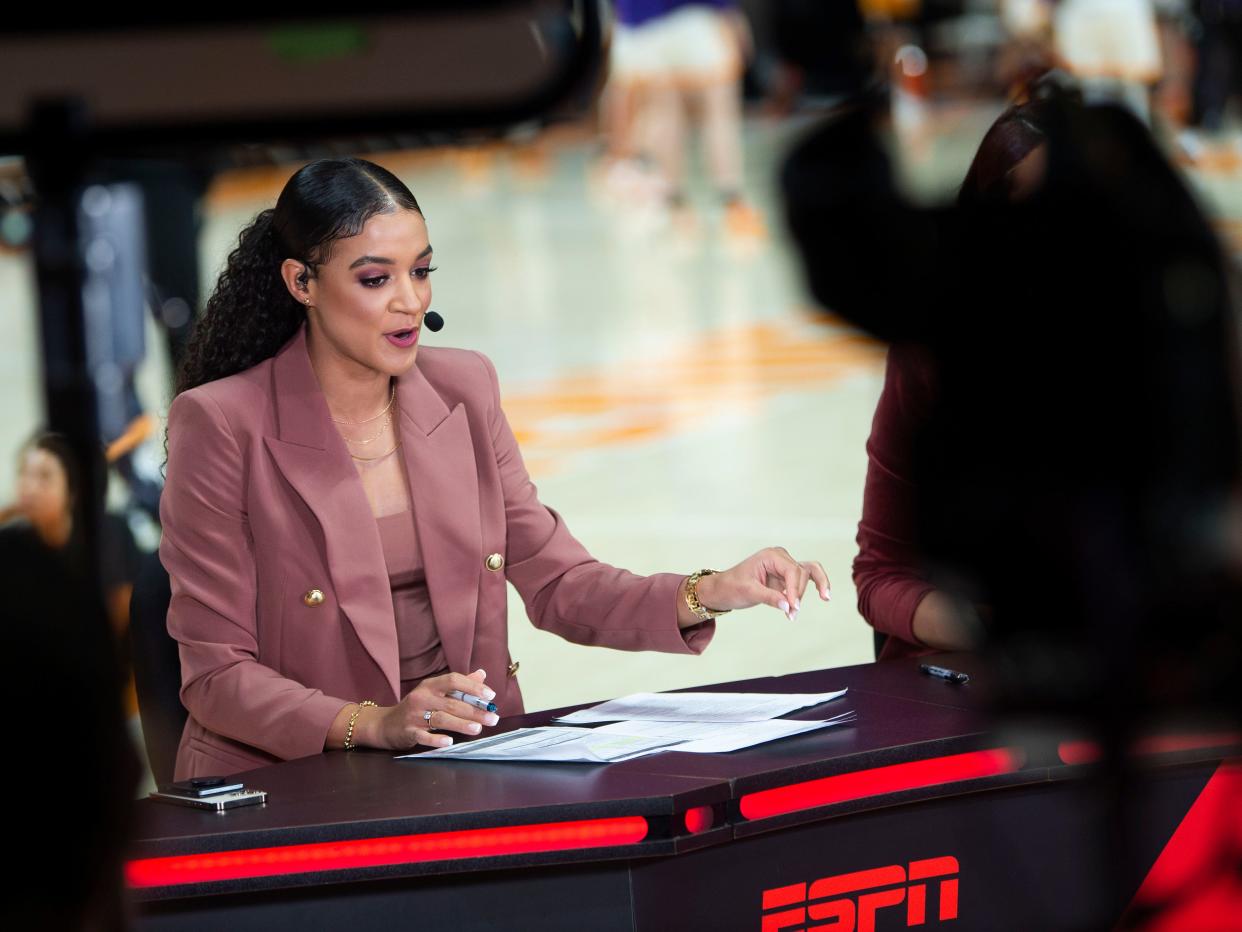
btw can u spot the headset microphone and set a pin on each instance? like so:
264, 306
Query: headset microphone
433, 321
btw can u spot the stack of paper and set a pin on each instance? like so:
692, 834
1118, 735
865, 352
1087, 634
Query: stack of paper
648, 723
697, 707
717, 738
568, 745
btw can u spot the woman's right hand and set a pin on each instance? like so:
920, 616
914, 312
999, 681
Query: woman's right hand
404, 725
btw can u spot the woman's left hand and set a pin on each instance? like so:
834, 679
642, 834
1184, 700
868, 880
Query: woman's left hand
770, 577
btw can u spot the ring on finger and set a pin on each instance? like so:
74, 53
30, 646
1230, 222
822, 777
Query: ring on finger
427, 718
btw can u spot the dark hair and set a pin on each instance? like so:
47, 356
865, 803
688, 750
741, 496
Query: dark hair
251, 314
58, 446
1016, 134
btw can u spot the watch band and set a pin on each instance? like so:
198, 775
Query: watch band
701, 611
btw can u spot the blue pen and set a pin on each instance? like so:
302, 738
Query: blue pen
472, 700
944, 673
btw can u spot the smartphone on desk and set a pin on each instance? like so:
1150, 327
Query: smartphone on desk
202, 786
214, 793
217, 803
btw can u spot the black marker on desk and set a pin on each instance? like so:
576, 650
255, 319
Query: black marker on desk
472, 700
945, 673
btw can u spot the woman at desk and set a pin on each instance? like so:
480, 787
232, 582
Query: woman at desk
343, 509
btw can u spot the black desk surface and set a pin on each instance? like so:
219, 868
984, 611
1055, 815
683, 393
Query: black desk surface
903, 717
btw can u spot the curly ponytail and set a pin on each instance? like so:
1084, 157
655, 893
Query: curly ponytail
251, 314
248, 317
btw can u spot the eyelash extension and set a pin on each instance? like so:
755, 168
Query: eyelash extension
380, 279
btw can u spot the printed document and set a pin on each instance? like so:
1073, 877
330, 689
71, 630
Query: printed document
625, 740
720, 737
567, 745
697, 707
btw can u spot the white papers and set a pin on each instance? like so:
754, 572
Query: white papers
648, 723
697, 707
718, 738
567, 745
626, 740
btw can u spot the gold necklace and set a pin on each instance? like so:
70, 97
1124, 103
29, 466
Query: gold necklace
391, 399
382, 430
368, 459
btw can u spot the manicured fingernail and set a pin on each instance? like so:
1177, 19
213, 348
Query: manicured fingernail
475, 728
797, 605
783, 606
445, 742
478, 671
793, 616
489, 694
829, 595
491, 718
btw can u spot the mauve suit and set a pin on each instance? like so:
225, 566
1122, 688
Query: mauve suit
262, 504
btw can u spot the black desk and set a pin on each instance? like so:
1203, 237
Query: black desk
915, 816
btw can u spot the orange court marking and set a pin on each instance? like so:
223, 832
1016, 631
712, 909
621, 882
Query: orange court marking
733, 369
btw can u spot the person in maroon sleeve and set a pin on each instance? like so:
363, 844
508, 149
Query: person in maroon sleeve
909, 614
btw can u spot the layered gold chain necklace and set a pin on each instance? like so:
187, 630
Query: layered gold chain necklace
386, 414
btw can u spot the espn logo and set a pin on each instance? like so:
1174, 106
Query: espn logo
841, 904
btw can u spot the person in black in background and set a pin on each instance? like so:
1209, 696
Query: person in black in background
1219, 49
48, 506
821, 48
71, 776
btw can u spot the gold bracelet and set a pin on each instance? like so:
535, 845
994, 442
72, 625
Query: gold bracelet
701, 611
349, 732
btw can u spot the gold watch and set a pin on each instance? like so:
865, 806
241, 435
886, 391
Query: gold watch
701, 611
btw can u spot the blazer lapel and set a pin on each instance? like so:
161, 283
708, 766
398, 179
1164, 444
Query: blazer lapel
444, 486
312, 457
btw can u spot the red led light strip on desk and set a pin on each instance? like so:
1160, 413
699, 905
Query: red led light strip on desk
1091, 752
383, 852
879, 781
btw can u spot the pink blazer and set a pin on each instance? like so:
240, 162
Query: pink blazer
262, 504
